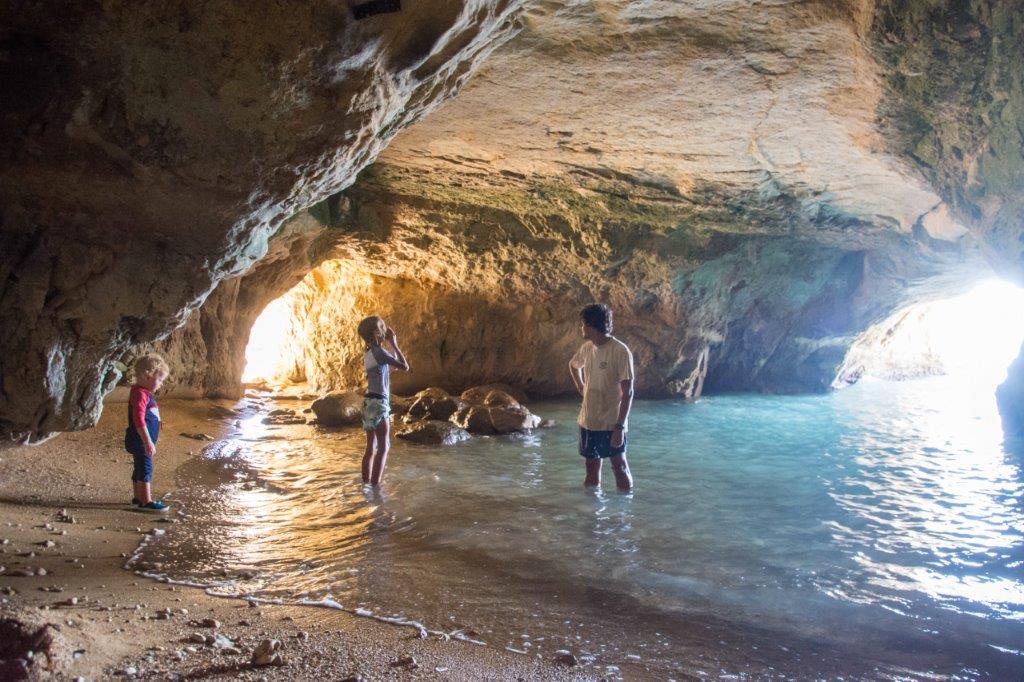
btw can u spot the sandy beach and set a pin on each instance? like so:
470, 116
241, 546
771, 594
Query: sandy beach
71, 610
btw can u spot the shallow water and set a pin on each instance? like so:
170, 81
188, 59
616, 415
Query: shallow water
874, 532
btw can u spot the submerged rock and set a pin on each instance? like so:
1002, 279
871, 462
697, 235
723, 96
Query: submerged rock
434, 432
484, 420
338, 409
283, 418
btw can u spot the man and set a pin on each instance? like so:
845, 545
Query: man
602, 370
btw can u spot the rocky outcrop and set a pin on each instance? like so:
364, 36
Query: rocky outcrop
152, 150
433, 404
338, 409
1010, 398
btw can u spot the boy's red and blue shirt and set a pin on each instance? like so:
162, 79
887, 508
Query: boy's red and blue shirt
142, 411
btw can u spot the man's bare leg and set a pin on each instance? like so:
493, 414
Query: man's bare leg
623, 479
593, 479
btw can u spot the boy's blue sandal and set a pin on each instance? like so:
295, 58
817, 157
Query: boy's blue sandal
154, 506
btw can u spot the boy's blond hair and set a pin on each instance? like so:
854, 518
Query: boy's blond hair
151, 364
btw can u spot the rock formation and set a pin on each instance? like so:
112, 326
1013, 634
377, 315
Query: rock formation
152, 149
750, 185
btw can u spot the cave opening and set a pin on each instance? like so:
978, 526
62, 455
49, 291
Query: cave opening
275, 331
971, 338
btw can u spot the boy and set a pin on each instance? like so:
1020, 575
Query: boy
602, 370
144, 428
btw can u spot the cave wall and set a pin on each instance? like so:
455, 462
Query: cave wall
953, 107
151, 150
483, 290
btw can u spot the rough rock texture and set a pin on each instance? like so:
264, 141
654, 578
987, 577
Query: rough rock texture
718, 177
151, 150
433, 432
481, 293
1010, 397
434, 404
338, 409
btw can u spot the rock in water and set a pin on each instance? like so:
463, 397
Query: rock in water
433, 403
338, 409
478, 394
434, 432
484, 420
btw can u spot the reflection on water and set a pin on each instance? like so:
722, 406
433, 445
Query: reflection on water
876, 531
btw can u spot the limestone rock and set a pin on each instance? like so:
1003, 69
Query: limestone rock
338, 409
434, 432
283, 418
479, 394
484, 420
268, 653
433, 403
129, 140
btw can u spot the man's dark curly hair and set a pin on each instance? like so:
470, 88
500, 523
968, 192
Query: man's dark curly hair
598, 316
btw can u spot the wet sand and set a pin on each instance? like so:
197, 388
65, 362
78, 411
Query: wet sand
91, 618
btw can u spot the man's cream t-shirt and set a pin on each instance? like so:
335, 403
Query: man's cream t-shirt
603, 368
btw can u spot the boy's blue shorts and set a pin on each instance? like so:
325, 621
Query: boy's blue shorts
142, 472
598, 444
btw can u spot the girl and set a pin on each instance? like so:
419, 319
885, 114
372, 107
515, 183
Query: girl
376, 404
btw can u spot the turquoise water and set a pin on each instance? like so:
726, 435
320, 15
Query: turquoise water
874, 532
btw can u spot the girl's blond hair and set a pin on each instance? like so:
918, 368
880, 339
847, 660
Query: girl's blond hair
150, 364
371, 330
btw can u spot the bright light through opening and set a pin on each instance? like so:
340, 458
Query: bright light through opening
264, 356
975, 336
980, 332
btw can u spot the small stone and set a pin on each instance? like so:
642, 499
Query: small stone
566, 658
407, 662
210, 623
197, 637
220, 642
157, 531
304, 636
48, 543
131, 671
40, 571
267, 653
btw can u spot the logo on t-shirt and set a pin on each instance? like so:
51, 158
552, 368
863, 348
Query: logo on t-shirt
604, 364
